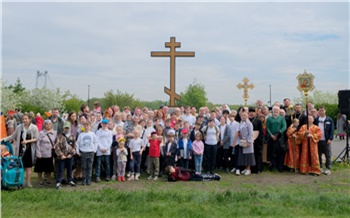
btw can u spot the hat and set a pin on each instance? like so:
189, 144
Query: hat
66, 125
153, 133
171, 132
104, 121
184, 131
251, 109
11, 112
47, 121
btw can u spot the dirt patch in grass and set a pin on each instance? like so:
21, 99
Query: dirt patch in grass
265, 180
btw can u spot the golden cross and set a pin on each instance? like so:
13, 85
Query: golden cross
245, 86
172, 54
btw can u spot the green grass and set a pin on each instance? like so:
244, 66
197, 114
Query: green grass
233, 196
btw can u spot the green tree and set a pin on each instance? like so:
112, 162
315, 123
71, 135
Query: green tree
72, 104
194, 95
18, 87
121, 99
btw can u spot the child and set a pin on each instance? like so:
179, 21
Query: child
292, 156
184, 150
136, 147
195, 130
115, 145
122, 154
177, 131
169, 150
146, 137
154, 154
167, 126
86, 148
104, 138
198, 149
183, 174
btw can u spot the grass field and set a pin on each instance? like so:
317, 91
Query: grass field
267, 194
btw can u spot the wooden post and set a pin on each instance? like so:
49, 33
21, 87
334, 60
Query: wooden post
172, 54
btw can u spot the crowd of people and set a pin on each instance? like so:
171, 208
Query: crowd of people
120, 144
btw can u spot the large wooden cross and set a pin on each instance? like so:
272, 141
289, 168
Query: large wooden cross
172, 54
245, 86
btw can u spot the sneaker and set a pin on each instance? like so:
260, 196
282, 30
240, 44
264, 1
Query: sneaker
155, 178
136, 178
238, 173
243, 172
119, 178
322, 171
107, 179
88, 182
58, 185
71, 183
98, 179
131, 178
123, 179
247, 172
29, 185
114, 178
150, 178
128, 175
327, 172
233, 170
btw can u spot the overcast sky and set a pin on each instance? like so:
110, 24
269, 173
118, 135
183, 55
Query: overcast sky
108, 46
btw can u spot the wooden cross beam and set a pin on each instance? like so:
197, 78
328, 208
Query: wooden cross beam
172, 54
245, 86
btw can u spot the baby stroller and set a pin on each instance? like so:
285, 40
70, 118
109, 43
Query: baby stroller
12, 171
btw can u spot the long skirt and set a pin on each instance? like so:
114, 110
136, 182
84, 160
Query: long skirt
245, 159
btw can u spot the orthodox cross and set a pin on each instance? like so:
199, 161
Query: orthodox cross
172, 54
245, 86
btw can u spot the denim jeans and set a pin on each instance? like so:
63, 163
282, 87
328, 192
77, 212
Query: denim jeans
61, 165
105, 159
136, 161
87, 159
198, 163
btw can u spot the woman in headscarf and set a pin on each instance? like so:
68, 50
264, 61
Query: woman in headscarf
44, 150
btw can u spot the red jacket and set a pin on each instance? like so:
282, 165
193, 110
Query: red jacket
181, 174
154, 148
39, 121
